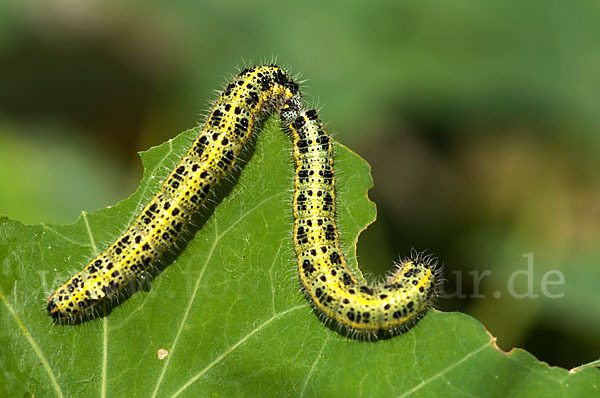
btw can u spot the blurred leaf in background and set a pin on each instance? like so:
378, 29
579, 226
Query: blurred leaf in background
480, 120
50, 174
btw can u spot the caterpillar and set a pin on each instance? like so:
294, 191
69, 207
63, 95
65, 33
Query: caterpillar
367, 311
326, 279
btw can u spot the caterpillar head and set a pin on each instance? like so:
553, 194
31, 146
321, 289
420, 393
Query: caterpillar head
290, 110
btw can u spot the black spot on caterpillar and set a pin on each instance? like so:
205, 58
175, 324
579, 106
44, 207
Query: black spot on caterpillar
324, 273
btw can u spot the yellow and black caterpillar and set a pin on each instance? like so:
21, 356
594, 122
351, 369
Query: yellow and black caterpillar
327, 280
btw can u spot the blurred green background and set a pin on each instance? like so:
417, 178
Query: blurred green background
480, 120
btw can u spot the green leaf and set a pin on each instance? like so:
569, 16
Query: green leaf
229, 311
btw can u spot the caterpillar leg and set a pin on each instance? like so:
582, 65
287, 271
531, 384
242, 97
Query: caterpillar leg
369, 311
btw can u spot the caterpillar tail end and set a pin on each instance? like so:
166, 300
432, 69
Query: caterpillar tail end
53, 309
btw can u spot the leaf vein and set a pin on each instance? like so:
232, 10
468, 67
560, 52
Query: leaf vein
197, 285
104, 320
89, 231
62, 236
34, 345
235, 346
446, 370
314, 365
